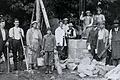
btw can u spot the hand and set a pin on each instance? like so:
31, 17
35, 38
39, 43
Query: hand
42, 51
55, 51
82, 12
96, 51
7, 43
58, 44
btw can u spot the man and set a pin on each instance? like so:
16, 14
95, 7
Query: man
92, 41
102, 40
16, 34
3, 40
34, 42
61, 42
71, 33
49, 45
114, 41
99, 17
87, 23
65, 25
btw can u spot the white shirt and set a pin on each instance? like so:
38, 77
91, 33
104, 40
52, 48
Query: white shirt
88, 20
16, 33
100, 18
102, 34
3, 34
59, 35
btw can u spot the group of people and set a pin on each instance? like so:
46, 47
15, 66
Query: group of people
98, 39
100, 42
36, 44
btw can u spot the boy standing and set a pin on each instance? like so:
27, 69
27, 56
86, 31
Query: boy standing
49, 45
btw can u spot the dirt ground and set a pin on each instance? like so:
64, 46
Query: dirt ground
39, 75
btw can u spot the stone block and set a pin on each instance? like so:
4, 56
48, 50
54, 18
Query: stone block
77, 43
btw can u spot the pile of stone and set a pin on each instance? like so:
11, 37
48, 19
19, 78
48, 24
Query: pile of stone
113, 74
81, 62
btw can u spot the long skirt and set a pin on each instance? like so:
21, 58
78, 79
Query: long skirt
101, 47
33, 53
49, 58
116, 49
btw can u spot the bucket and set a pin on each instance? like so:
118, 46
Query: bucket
40, 61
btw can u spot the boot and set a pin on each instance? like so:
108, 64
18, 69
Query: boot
15, 66
50, 70
21, 65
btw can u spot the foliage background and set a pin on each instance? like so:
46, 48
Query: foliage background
22, 9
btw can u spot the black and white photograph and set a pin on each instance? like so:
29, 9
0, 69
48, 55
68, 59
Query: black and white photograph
59, 39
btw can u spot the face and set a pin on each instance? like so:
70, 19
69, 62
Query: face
2, 24
70, 27
99, 12
88, 14
102, 26
35, 25
49, 32
65, 22
116, 25
61, 24
16, 23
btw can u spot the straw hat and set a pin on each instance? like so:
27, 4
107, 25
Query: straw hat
70, 24
87, 11
65, 19
34, 22
116, 22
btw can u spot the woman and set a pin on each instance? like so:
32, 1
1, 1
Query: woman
34, 41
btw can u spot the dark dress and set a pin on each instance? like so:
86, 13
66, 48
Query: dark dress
115, 43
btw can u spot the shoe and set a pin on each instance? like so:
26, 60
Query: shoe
1, 60
49, 72
46, 72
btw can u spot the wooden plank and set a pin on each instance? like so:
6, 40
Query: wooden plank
44, 14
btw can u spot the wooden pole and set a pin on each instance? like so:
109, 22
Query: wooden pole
24, 49
8, 60
33, 12
44, 14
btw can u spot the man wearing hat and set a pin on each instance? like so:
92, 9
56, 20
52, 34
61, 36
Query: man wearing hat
92, 41
65, 24
34, 42
87, 23
114, 41
71, 33
4, 42
61, 41
16, 33
102, 40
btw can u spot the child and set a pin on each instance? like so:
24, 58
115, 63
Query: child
49, 45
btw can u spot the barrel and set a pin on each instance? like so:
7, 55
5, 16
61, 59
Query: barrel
76, 48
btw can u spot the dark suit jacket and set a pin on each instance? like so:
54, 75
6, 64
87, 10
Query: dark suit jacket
92, 38
1, 38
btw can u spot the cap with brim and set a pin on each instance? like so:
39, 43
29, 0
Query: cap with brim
65, 19
116, 21
70, 24
87, 11
34, 22
2, 20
